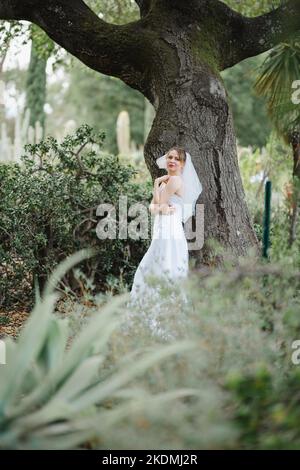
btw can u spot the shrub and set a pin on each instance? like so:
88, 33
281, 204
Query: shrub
244, 320
234, 387
57, 395
48, 211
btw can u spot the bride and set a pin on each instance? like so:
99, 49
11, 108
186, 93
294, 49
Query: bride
166, 261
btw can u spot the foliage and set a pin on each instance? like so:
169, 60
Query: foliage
238, 382
253, 7
111, 11
243, 320
266, 401
245, 104
275, 82
48, 210
270, 162
25, 32
97, 98
10, 30
53, 394
116, 11
36, 85
267, 412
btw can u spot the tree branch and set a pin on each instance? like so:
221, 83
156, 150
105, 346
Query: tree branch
144, 6
107, 48
248, 37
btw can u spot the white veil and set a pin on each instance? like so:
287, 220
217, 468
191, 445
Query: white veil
192, 185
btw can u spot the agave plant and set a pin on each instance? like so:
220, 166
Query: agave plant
53, 395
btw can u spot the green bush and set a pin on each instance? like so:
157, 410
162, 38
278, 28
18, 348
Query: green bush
48, 211
234, 387
266, 411
244, 320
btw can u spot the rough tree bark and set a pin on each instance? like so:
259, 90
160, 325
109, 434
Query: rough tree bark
294, 139
173, 55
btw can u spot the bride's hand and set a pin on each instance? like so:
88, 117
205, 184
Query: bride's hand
161, 179
166, 209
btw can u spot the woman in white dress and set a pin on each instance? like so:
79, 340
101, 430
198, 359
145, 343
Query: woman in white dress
166, 261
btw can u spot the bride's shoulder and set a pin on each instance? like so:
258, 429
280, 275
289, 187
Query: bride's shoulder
175, 176
176, 180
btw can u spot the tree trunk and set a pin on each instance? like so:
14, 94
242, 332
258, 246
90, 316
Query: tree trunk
294, 139
192, 111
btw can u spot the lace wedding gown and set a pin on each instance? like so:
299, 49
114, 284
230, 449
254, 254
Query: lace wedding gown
157, 285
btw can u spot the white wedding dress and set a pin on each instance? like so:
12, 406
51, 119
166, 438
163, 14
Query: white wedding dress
157, 285
167, 254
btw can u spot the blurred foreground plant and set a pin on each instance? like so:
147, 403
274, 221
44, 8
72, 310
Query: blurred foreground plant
56, 396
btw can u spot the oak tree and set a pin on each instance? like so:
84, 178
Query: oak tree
173, 54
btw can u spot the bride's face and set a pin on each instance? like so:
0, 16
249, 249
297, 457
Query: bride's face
174, 164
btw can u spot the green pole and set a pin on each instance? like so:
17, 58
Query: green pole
267, 214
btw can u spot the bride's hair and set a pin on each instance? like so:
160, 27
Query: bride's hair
180, 151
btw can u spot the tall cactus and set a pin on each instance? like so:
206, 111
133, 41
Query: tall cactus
123, 133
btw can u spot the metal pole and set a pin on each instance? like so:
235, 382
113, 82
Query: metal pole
267, 214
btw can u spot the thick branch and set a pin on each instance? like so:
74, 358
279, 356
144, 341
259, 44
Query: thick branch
144, 6
248, 37
108, 48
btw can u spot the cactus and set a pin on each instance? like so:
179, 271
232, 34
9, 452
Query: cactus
123, 133
23, 134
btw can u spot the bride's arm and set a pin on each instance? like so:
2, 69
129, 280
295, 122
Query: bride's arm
156, 190
160, 208
153, 207
173, 184
156, 206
